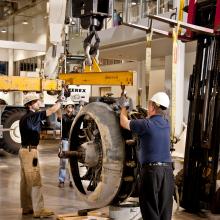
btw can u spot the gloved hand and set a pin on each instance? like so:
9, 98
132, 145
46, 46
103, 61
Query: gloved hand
62, 154
124, 102
66, 92
59, 99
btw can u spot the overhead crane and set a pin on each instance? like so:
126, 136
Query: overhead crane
51, 80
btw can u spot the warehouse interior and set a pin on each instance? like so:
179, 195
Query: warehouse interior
100, 56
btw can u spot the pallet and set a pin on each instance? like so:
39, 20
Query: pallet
99, 214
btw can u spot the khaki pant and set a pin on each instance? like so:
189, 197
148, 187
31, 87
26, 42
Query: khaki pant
30, 186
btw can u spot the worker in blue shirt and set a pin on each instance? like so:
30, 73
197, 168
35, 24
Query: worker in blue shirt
156, 183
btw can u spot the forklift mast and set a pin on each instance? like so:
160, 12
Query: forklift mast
203, 132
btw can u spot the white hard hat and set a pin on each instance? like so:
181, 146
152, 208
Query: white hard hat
69, 102
29, 98
161, 98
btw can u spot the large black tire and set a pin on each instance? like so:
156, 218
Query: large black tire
116, 180
11, 139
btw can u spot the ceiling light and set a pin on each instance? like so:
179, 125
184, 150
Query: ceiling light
3, 31
25, 22
133, 3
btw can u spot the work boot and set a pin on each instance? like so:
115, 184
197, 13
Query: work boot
61, 184
27, 211
43, 213
71, 184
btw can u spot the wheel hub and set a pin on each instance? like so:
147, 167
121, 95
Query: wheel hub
91, 150
15, 132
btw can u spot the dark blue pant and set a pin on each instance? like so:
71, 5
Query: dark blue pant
156, 189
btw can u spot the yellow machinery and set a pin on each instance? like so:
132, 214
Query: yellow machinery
10, 115
28, 84
51, 80
93, 75
18, 83
99, 78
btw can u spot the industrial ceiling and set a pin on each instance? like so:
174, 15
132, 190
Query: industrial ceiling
13, 11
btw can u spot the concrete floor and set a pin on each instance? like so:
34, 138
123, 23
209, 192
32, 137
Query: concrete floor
59, 200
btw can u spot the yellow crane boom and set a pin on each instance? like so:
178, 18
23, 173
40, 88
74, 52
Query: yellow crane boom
28, 84
98, 78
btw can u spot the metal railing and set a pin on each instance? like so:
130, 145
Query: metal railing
134, 10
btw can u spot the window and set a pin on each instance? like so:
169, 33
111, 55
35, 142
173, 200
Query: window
3, 67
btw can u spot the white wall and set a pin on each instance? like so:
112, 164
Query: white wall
156, 81
3, 54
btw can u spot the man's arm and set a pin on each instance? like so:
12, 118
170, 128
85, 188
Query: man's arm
53, 109
124, 122
59, 114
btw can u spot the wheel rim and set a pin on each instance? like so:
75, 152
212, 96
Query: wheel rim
15, 132
109, 156
90, 143
111, 175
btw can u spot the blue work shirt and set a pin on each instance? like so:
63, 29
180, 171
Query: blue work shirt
154, 134
30, 127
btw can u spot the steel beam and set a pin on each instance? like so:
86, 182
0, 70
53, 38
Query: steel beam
185, 25
147, 29
98, 78
27, 84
